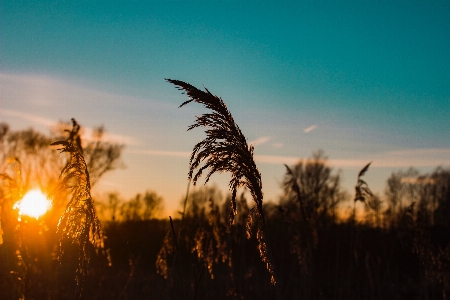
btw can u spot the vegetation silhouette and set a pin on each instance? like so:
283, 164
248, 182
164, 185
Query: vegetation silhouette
225, 149
79, 224
78, 227
397, 247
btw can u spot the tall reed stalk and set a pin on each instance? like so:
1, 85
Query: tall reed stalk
79, 223
225, 149
362, 190
363, 194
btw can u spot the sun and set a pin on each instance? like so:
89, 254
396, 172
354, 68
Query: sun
33, 204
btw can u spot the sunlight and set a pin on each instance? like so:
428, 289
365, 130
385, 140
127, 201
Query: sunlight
33, 204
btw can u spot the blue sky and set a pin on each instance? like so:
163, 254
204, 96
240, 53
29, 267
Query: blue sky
362, 80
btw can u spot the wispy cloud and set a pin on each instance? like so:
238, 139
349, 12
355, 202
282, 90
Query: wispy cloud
290, 160
86, 134
181, 154
395, 159
385, 160
431, 157
309, 129
40, 90
264, 140
260, 141
111, 137
277, 145
28, 117
421, 151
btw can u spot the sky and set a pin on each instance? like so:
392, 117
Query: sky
362, 80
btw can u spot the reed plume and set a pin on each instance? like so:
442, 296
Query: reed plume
362, 190
225, 149
79, 223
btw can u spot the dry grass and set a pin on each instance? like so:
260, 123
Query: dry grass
225, 149
10, 227
78, 224
362, 190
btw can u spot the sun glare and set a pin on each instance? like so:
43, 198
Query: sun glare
33, 204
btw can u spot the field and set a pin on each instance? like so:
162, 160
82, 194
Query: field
221, 246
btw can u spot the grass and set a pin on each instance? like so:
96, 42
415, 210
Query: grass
10, 228
225, 149
79, 223
404, 254
362, 190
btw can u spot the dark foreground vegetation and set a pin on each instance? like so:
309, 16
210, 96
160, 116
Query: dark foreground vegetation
330, 259
232, 246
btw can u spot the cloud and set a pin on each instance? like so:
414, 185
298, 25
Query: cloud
264, 140
28, 117
181, 154
265, 159
291, 160
32, 89
384, 160
45, 91
423, 157
277, 145
260, 141
394, 159
309, 129
421, 151
87, 131
111, 137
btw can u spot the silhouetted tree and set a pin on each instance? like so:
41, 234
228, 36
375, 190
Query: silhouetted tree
439, 188
101, 155
153, 205
32, 149
312, 194
109, 207
401, 191
311, 186
430, 192
141, 207
41, 164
